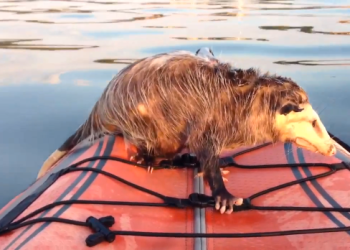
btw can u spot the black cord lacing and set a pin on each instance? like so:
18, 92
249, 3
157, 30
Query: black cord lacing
101, 226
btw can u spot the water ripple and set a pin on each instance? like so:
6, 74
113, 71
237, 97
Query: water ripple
304, 29
316, 62
14, 44
213, 20
126, 61
156, 16
265, 50
38, 11
221, 38
165, 27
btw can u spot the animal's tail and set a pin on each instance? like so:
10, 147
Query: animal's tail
87, 129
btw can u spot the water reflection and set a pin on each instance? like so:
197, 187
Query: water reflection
262, 50
316, 62
304, 29
140, 18
56, 57
13, 44
293, 10
21, 12
76, 16
165, 27
212, 20
303, 8
116, 61
279, 2
118, 33
39, 21
221, 38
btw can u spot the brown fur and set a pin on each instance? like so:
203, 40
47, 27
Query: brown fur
169, 101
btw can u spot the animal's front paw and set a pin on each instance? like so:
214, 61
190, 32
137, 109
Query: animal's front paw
224, 200
145, 159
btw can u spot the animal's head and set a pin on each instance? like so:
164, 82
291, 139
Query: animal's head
296, 121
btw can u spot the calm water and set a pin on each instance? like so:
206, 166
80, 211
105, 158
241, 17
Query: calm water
56, 57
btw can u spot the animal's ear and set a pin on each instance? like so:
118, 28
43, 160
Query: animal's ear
211, 52
286, 109
197, 51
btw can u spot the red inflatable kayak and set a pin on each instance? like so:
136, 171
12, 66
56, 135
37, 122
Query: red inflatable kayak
104, 202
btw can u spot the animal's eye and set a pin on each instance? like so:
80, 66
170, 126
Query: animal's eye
313, 123
289, 108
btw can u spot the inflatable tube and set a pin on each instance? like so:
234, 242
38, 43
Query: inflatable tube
93, 199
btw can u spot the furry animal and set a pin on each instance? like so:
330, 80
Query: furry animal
170, 101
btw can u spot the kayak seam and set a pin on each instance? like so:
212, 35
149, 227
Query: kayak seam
202, 216
319, 188
199, 215
82, 189
197, 226
69, 159
290, 159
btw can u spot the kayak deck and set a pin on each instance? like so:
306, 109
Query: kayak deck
330, 191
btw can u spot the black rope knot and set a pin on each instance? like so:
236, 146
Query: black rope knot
176, 202
100, 227
201, 200
183, 161
194, 200
246, 205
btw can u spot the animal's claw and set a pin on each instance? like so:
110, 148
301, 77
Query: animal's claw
143, 159
137, 158
224, 201
224, 172
150, 169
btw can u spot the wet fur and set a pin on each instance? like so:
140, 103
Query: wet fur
171, 101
